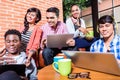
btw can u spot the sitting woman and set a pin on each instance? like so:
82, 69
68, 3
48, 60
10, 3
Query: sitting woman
31, 32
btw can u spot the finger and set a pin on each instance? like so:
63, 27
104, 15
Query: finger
68, 41
7, 58
11, 61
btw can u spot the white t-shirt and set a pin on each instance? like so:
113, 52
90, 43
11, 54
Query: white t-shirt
71, 28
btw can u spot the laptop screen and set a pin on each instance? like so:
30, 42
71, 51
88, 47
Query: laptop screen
103, 62
18, 68
58, 40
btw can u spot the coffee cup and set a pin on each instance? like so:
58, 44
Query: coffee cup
56, 58
64, 66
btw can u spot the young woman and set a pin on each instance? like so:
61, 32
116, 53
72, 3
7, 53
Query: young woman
31, 32
75, 24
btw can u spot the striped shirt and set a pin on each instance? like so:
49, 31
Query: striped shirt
25, 39
99, 46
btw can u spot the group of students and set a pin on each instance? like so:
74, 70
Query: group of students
22, 44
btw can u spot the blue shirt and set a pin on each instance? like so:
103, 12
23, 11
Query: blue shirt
99, 46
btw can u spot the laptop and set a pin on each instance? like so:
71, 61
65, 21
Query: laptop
103, 62
18, 68
58, 40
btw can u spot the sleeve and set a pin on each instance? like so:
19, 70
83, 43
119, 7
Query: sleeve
92, 48
79, 33
83, 23
95, 46
37, 40
70, 26
65, 30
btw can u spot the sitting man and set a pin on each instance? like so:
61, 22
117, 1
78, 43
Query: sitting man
110, 41
14, 56
52, 27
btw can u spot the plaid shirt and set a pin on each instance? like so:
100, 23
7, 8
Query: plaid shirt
99, 46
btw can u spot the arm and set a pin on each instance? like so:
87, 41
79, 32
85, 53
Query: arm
34, 42
70, 25
2, 51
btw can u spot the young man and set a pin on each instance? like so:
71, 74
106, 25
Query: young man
110, 42
12, 45
52, 27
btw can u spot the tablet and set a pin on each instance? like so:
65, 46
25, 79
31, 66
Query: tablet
58, 40
18, 68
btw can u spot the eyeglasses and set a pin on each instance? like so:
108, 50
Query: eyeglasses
79, 75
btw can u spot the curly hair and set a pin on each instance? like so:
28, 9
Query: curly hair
14, 32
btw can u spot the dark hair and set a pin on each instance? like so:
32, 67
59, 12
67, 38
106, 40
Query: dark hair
54, 10
38, 15
106, 19
14, 32
74, 5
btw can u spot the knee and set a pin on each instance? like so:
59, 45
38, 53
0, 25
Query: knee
10, 72
46, 52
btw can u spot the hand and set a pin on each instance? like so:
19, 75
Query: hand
2, 51
27, 62
70, 42
7, 60
44, 42
1, 60
23, 78
76, 21
11, 61
83, 30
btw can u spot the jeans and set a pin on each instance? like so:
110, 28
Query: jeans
9, 75
49, 53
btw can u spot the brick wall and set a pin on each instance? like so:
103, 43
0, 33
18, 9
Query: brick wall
12, 12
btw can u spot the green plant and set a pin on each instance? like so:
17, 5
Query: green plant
67, 4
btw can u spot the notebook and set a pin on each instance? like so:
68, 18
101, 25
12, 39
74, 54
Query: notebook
18, 68
58, 40
103, 62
